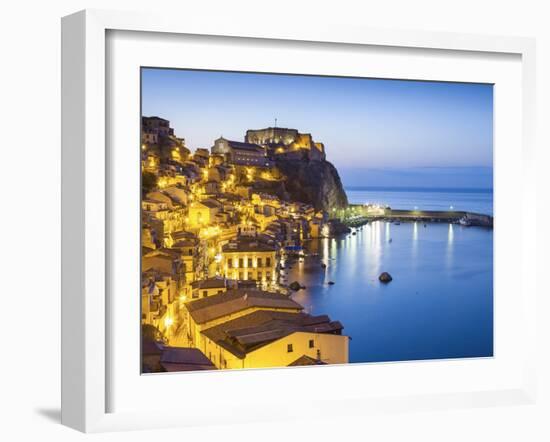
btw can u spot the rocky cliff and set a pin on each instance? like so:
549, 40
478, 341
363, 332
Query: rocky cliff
313, 182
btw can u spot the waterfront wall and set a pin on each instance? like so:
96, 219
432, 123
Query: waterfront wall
452, 216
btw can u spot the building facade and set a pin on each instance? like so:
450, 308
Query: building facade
242, 154
249, 259
269, 338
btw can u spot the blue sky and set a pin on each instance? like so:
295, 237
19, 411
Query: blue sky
376, 132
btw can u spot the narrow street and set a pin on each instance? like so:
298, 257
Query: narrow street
179, 339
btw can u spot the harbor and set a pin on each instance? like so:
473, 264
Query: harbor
361, 216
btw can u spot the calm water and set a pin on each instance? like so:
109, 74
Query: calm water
439, 304
472, 200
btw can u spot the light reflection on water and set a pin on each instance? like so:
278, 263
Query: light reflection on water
439, 304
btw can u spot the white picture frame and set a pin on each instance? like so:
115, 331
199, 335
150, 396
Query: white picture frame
86, 216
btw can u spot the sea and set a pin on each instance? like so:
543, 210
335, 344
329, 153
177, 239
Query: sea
472, 200
439, 304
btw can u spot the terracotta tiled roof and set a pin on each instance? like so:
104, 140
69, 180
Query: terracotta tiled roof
213, 307
255, 330
184, 359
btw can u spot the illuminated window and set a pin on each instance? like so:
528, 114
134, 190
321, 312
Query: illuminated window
289, 348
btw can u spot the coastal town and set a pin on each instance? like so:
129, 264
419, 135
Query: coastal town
220, 228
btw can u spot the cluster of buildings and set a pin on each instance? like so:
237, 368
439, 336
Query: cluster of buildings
213, 291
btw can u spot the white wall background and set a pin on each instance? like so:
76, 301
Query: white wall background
30, 214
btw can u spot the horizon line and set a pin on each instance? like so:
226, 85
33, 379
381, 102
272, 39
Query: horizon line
421, 188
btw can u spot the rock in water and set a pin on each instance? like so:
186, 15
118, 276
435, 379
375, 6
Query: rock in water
331, 283
385, 277
338, 228
295, 286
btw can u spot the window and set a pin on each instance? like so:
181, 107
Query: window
268, 262
249, 262
241, 262
220, 292
230, 262
311, 343
259, 262
204, 293
289, 348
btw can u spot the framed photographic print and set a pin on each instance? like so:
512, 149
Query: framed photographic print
276, 210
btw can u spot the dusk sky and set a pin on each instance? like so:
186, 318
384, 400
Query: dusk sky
376, 132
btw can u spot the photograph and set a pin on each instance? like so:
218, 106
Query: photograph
310, 220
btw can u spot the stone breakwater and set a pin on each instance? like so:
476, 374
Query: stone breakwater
458, 217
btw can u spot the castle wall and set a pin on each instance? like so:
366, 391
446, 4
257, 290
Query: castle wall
271, 135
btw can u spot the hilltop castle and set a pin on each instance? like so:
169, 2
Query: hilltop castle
287, 142
261, 145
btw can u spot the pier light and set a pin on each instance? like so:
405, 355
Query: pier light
168, 321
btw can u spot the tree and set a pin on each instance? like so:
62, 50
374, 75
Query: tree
148, 182
150, 333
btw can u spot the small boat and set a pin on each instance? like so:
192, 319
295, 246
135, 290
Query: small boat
397, 223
